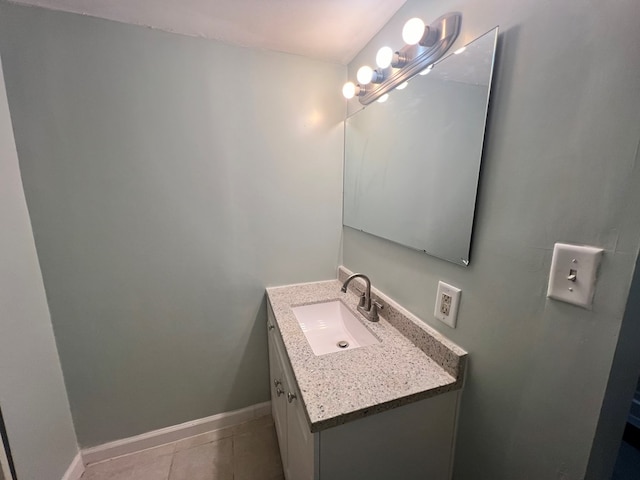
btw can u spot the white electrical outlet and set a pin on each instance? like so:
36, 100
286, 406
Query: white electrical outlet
447, 301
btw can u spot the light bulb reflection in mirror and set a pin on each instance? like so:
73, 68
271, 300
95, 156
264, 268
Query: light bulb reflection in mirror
402, 86
426, 70
383, 98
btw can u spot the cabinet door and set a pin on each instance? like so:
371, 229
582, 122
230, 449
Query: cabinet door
296, 441
412, 442
299, 441
278, 392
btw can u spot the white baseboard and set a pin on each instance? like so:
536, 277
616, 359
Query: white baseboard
76, 469
173, 433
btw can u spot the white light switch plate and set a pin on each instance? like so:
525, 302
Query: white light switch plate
447, 301
573, 273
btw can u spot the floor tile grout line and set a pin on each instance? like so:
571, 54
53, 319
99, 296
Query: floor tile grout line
173, 457
233, 456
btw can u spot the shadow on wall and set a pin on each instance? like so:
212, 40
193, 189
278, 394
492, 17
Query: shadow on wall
254, 353
501, 81
7, 468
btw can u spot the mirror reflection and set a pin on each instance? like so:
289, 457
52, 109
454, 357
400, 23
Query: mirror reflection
412, 162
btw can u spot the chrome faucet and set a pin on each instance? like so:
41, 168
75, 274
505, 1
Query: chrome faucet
366, 306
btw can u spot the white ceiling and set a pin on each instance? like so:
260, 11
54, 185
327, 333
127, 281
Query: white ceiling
331, 30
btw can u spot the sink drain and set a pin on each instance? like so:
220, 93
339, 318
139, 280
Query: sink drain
343, 344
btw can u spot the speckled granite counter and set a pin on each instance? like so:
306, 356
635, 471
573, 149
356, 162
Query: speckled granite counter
411, 362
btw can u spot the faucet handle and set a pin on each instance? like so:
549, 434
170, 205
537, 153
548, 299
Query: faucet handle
361, 295
373, 313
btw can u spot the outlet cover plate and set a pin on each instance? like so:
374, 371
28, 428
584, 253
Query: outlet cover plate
447, 301
573, 273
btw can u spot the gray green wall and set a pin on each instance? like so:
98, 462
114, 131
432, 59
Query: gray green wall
170, 180
33, 399
560, 164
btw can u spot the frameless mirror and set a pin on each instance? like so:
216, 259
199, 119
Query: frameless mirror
412, 163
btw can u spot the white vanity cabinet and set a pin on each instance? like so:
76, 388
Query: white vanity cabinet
296, 441
414, 441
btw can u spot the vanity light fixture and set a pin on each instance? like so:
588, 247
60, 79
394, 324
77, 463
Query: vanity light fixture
350, 89
413, 31
364, 75
384, 57
425, 44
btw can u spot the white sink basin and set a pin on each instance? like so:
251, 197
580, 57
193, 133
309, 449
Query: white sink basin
328, 325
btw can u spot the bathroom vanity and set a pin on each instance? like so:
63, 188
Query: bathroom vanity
383, 410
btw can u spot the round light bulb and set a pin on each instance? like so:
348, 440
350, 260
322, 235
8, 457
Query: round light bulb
426, 70
384, 57
413, 31
402, 86
349, 90
364, 75
383, 98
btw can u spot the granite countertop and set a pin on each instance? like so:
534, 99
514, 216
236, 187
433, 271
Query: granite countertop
412, 361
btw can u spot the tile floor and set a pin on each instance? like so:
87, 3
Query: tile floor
248, 451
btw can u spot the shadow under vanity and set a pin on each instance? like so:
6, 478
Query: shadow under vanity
385, 410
